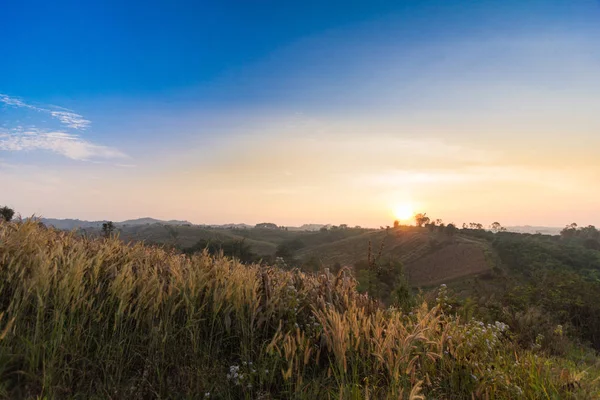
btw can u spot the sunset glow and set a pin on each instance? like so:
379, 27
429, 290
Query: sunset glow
324, 115
404, 212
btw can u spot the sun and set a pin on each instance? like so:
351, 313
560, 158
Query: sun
404, 212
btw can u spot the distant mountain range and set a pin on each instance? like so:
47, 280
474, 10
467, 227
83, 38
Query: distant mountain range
69, 224
546, 230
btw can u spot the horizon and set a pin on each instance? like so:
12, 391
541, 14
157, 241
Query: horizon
342, 112
406, 223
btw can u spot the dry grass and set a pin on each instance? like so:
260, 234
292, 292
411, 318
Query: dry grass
451, 262
98, 319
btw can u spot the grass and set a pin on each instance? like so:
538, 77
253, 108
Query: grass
94, 318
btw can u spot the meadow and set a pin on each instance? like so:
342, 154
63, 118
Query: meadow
97, 318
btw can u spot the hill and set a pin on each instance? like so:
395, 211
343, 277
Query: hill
70, 224
148, 220
188, 236
89, 318
429, 258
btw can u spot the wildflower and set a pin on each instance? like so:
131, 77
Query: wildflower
207, 394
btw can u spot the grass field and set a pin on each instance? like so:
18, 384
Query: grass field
94, 318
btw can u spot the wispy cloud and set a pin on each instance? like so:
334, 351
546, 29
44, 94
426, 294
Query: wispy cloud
68, 118
60, 141
66, 144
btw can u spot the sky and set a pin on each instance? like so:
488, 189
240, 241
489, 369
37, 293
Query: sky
299, 112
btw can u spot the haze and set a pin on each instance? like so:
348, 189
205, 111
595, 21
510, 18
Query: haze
302, 112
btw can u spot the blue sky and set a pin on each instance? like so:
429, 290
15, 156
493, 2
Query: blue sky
301, 111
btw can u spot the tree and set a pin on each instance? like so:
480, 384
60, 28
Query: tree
589, 232
108, 228
451, 229
287, 249
592, 244
7, 213
496, 227
476, 226
421, 219
569, 230
396, 224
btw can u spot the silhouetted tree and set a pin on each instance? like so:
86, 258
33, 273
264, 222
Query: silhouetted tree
475, 226
396, 224
451, 229
589, 232
421, 219
496, 227
7, 213
108, 228
569, 230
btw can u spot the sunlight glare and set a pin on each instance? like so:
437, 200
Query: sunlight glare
404, 212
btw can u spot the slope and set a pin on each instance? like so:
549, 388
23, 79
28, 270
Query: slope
429, 258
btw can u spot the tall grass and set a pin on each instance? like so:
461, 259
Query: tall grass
83, 318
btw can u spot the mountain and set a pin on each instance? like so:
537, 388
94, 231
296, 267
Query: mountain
545, 230
148, 220
70, 224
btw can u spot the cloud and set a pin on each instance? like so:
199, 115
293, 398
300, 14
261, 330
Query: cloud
66, 144
68, 118
70, 145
